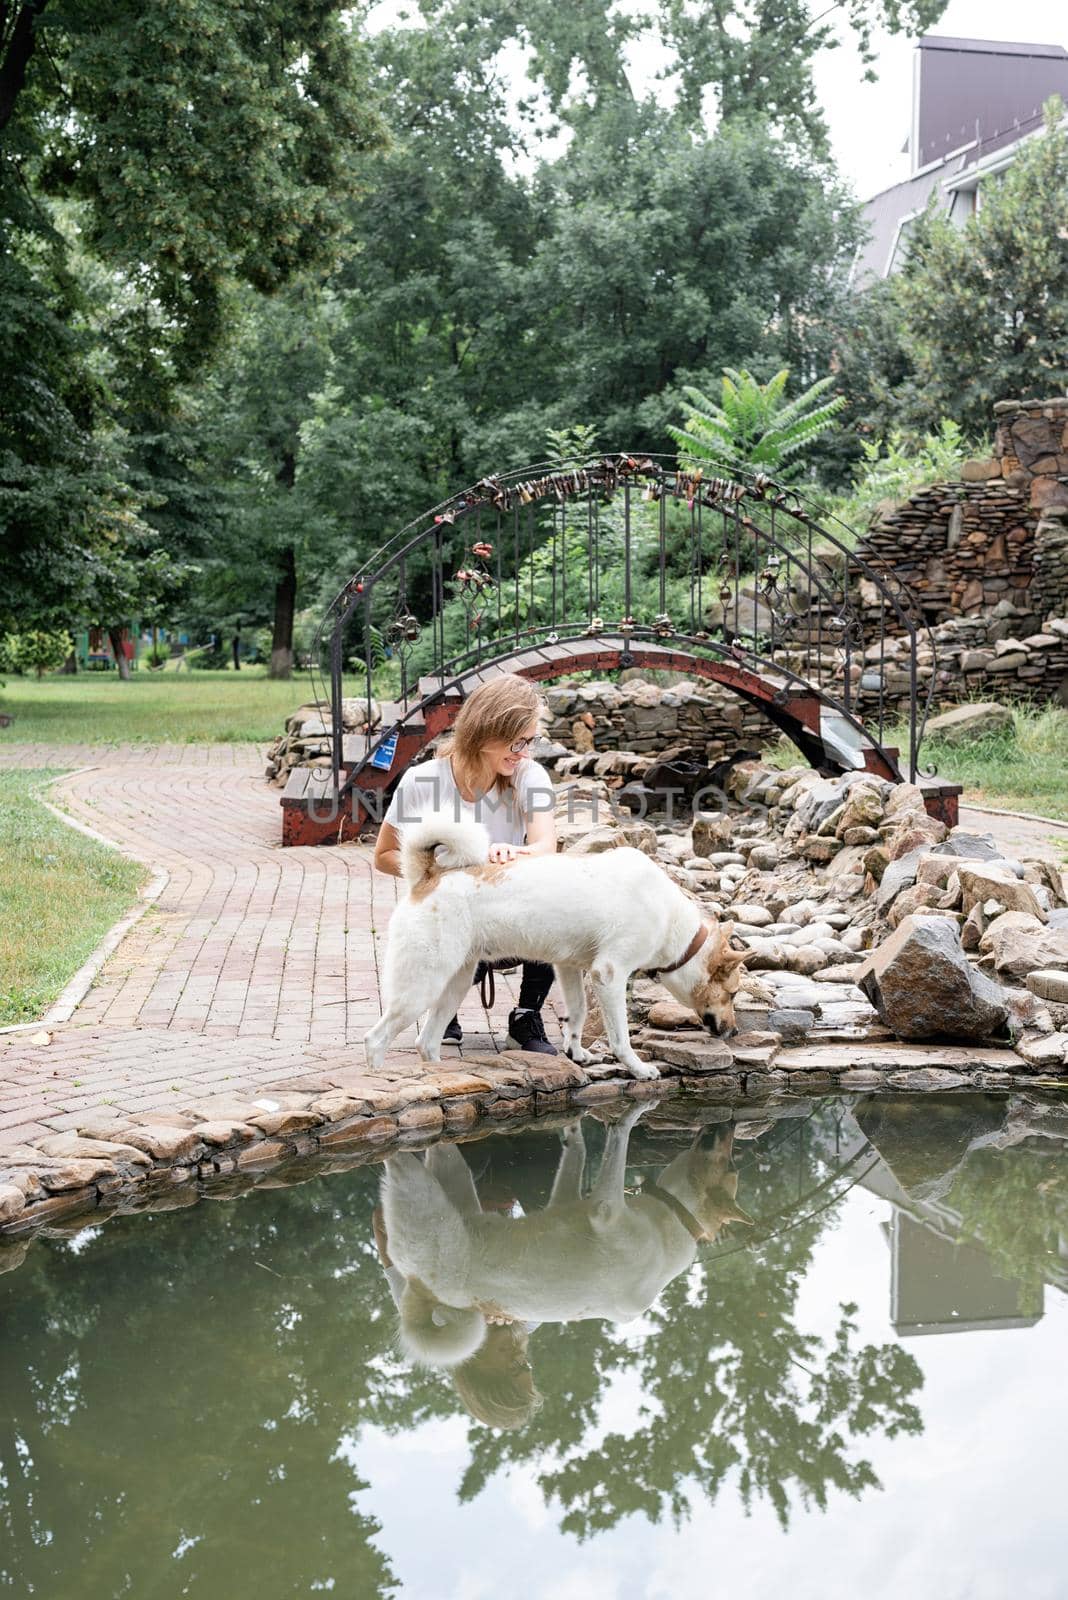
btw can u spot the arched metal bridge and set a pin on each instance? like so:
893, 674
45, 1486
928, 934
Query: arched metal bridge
626, 561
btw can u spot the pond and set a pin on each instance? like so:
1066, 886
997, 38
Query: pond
814, 1348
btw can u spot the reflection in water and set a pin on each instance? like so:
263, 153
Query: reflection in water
182, 1398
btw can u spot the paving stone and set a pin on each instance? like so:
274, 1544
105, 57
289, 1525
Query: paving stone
701, 1054
1048, 1051
424, 1118
458, 1082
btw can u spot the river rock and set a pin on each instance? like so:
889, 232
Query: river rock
914, 834
897, 875
1049, 985
755, 916
974, 927
800, 913
863, 809
993, 880
792, 1024
936, 869
864, 836
1020, 945
920, 897
1049, 1050
709, 834
596, 841
669, 1014
968, 846
923, 987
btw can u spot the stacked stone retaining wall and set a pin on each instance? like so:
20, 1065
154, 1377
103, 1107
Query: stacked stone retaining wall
643, 717
999, 536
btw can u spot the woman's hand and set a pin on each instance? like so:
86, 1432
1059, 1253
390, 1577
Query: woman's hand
504, 853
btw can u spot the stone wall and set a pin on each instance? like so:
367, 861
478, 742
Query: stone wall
977, 658
644, 717
999, 536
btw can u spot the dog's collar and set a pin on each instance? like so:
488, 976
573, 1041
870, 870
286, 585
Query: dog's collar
691, 950
683, 1215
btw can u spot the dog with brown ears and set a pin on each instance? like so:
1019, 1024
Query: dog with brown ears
610, 915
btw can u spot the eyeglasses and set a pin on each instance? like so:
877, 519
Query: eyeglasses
521, 746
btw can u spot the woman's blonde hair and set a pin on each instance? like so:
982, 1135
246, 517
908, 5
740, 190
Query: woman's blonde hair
502, 709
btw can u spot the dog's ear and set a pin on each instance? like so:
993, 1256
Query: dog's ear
734, 1213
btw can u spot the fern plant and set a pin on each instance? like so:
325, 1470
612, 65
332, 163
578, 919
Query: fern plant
571, 448
754, 428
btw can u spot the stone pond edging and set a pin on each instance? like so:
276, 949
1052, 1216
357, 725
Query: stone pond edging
103, 1164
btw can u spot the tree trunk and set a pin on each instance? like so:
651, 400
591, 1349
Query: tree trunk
115, 635
285, 602
237, 652
70, 666
16, 58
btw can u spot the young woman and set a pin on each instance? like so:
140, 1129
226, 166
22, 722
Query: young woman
483, 772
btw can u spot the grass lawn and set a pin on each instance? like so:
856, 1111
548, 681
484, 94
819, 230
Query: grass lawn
1022, 771
59, 894
1026, 770
156, 707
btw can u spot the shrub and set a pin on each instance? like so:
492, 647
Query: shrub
37, 650
209, 657
896, 467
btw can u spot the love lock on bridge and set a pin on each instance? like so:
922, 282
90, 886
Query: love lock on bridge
626, 561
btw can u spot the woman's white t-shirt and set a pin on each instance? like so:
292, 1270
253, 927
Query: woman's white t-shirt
430, 787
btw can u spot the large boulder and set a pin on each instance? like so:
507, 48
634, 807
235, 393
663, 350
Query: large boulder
967, 723
923, 987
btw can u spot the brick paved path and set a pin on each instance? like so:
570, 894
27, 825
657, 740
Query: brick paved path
254, 964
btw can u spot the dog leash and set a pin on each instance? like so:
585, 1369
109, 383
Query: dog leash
484, 977
486, 987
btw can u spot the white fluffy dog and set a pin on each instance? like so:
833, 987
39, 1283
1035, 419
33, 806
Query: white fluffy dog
606, 1254
608, 915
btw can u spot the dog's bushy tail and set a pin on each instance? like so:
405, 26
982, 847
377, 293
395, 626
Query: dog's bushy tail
438, 842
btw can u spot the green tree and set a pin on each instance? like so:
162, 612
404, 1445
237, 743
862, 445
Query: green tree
749, 56
984, 308
255, 403
198, 145
755, 428
759, 54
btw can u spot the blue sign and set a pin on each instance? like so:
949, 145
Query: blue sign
383, 756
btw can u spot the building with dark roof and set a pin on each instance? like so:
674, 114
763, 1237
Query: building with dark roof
974, 103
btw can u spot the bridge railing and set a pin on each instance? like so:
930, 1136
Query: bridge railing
628, 545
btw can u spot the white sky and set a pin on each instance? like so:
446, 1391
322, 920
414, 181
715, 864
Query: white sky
869, 122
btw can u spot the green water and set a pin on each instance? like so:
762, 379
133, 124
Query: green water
855, 1384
